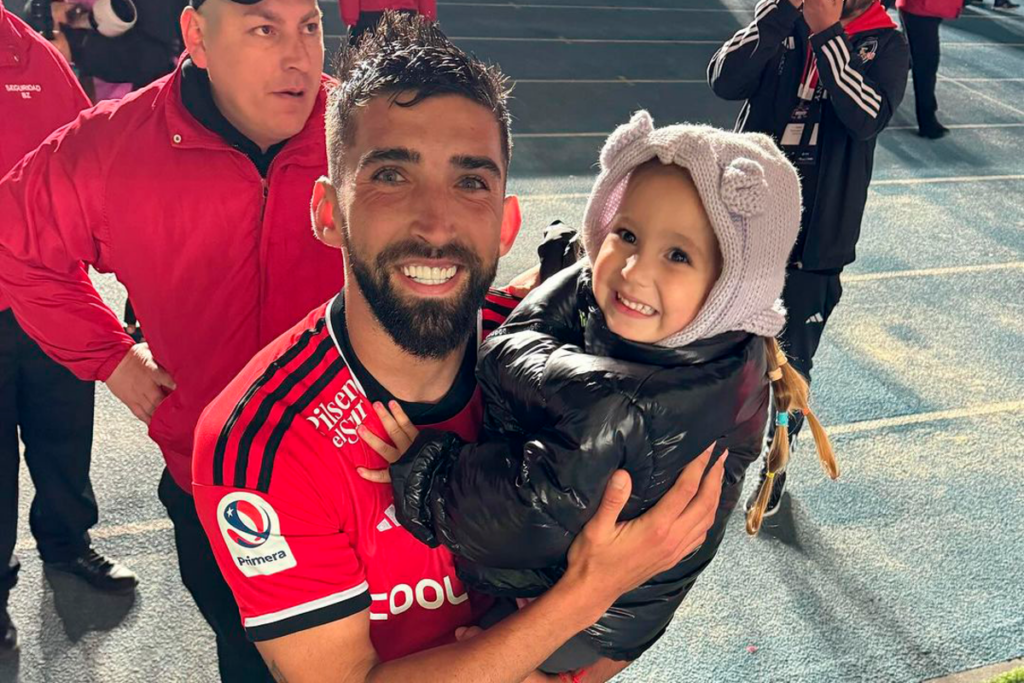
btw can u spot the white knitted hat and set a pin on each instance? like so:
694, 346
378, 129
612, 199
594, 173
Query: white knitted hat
750, 192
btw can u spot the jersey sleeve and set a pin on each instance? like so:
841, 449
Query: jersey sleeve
290, 563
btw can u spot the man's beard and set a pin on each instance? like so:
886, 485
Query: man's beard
425, 327
851, 7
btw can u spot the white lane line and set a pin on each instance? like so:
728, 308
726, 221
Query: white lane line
956, 179
587, 41
984, 80
615, 81
921, 418
603, 134
132, 529
932, 272
964, 126
984, 96
895, 181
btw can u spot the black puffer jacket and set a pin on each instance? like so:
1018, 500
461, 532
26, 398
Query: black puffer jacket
567, 403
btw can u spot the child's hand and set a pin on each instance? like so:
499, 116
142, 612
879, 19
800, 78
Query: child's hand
402, 433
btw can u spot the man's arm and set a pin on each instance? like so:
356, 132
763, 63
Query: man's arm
607, 559
864, 105
735, 70
51, 230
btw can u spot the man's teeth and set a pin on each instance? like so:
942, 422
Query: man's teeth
636, 306
425, 275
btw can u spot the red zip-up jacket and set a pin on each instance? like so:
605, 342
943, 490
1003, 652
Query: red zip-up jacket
943, 9
351, 9
38, 93
217, 261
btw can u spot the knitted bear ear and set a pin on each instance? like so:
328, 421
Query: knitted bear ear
638, 128
744, 189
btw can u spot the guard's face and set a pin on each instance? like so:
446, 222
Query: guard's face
264, 61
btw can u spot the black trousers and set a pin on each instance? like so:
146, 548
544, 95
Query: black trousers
923, 36
53, 410
810, 298
237, 658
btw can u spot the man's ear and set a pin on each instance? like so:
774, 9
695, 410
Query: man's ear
326, 214
511, 221
193, 27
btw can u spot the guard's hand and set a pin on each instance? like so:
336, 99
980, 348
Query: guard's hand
609, 558
402, 433
822, 14
139, 383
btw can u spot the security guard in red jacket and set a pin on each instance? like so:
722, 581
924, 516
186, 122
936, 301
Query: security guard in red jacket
194, 192
52, 409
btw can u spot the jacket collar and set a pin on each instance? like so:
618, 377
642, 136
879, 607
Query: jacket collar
874, 17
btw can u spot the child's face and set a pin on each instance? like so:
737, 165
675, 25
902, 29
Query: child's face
661, 258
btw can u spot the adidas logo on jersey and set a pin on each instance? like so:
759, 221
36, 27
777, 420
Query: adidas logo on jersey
390, 521
816, 318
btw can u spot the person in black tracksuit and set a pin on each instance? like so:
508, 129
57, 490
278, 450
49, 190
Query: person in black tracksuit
824, 96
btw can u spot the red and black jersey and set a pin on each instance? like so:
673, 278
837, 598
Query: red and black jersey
300, 537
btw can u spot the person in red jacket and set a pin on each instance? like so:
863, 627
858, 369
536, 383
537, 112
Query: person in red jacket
194, 192
39, 95
921, 20
364, 15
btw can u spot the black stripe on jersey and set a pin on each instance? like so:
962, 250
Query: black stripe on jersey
268, 374
489, 325
301, 622
278, 394
270, 451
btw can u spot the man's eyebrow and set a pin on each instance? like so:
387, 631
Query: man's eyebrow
376, 156
262, 13
315, 14
474, 163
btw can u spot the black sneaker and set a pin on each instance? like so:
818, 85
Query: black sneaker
8, 635
778, 488
99, 572
1006, 5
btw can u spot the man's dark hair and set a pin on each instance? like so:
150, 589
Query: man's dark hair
409, 54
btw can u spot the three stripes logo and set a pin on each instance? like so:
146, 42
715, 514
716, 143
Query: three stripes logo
816, 318
390, 521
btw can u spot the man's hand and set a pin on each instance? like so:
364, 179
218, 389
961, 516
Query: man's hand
139, 383
402, 433
609, 558
822, 14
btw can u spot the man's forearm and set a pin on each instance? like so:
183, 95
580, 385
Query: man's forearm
506, 653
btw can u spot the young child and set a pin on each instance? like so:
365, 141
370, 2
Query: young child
659, 345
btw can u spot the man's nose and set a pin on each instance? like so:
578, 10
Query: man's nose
432, 221
298, 54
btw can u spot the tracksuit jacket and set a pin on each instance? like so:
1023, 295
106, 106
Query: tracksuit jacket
864, 72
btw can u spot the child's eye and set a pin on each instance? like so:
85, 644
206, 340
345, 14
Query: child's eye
678, 256
626, 235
